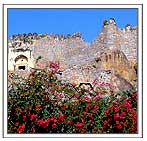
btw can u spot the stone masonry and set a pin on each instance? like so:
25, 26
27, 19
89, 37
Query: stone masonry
113, 49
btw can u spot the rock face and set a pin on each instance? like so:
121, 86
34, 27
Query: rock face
113, 49
117, 61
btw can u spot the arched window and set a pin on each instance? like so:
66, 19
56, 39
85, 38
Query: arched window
21, 57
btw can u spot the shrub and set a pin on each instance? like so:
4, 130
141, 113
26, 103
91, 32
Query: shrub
42, 104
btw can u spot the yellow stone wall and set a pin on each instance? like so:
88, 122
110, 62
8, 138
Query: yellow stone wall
117, 61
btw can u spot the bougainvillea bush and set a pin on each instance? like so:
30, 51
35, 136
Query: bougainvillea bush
43, 104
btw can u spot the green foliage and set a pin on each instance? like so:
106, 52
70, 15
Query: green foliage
42, 104
38, 58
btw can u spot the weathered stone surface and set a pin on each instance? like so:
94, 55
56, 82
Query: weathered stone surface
117, 61
113, 49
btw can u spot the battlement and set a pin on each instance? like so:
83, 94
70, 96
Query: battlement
28, 39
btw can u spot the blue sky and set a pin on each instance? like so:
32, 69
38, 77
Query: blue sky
67, 21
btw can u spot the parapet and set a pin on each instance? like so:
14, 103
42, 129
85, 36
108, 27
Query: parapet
110, 22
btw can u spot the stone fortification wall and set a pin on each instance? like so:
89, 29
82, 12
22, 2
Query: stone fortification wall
113, 49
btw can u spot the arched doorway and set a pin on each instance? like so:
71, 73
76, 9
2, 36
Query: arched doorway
21, 63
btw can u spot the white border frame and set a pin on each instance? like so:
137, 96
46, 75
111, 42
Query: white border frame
139, 7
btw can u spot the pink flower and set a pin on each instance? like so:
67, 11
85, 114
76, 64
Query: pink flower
24, 117
95, 109
105, 122
116, 108
116, 116
121, 116
52, 119
102, 84
128, 105
107, 111
32, 130
61, 117
40, 121
92, 122
43, 123
79, 124
54, 125
134, 129
119, 126
54, 65
117, 122
94, 81
86, 98
21, 129
97, 97
33, 116
83, 120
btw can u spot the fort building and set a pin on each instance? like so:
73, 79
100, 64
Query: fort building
20, 59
